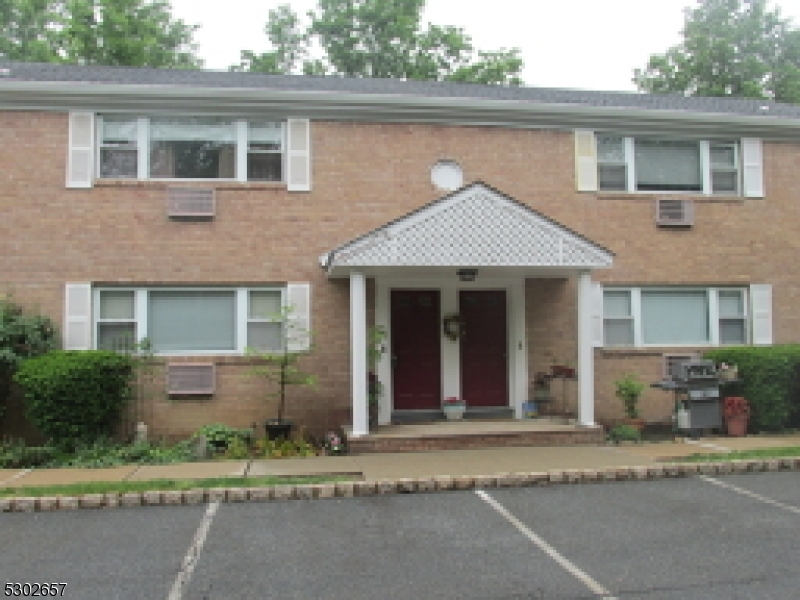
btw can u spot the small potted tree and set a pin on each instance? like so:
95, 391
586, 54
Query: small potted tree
375, 349
280, 368
629, 389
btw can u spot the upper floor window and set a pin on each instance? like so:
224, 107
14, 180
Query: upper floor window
630, 164
118, 148
190, 148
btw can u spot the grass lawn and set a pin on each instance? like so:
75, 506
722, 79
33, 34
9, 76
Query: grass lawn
163, 485
784, 452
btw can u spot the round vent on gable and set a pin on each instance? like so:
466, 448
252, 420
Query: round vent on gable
447, 175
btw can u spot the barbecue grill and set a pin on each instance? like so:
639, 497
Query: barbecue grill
697, 398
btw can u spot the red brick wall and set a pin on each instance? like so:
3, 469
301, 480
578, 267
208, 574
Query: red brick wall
363, 176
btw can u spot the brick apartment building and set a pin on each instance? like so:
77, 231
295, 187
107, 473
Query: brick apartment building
603, 230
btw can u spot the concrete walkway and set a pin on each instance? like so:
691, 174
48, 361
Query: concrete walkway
371, 467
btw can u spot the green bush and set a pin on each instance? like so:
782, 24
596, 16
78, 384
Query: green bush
624, 433
76, 397
219, 434
770, 380
14, 454
100, 454
22, 336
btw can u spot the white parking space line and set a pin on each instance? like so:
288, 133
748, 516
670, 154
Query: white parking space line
595, 587
744, 492
193, 554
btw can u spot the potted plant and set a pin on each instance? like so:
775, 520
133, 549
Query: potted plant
629, 389
562, 370
454, 408
736, 411
727, 372
280, 368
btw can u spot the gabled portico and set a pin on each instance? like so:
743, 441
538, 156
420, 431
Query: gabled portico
505, 242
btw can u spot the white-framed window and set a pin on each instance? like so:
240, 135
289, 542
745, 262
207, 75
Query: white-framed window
190, 321
118, 153
674, 316
190, 148
643, 164
265, 330
116, 320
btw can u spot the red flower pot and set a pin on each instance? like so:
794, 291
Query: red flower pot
737, 426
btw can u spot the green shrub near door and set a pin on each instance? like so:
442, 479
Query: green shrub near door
76, 397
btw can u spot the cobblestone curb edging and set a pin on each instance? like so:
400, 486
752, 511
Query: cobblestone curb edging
348, 489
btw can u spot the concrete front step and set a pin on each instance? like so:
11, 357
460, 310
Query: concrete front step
468, 435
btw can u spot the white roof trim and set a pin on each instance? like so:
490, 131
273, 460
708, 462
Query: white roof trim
338, 106
475, 226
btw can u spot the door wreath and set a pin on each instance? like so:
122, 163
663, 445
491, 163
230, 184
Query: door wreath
453, 327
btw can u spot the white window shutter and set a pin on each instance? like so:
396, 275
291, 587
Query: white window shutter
761, 311
597, 315
78, 316
585, 161
298, 155
298, 298
752, 168
80, 157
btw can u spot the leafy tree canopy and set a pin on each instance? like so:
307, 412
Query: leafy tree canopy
96, 32
377, 38
730, 48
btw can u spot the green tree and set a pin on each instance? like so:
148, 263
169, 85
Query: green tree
377, 38
139, 33
729, 48
26, 30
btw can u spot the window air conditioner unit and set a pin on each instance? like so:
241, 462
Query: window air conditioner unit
191, 379
191, 203
671, 212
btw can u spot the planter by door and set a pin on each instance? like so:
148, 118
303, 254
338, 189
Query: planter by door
277, 430
737, 426
454, 412
637, 424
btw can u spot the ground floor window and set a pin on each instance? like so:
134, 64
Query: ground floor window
675, 316
190, 320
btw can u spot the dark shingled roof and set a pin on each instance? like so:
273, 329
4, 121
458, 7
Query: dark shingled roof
59, 73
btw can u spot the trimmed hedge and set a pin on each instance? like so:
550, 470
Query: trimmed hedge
76, 397
770, 381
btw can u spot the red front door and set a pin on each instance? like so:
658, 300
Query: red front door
484, 348
416, 353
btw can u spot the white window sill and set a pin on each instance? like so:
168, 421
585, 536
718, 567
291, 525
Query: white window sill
215, 183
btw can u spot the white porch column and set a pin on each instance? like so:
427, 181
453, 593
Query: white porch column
358, 352
585, 351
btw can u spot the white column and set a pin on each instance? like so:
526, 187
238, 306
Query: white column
585, 351
518, 348
358, 352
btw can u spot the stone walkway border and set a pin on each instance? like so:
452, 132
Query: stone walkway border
394, 486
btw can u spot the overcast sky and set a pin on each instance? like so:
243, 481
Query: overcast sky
588, 44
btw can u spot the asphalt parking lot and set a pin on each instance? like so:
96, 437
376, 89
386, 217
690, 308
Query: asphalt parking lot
725, 537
